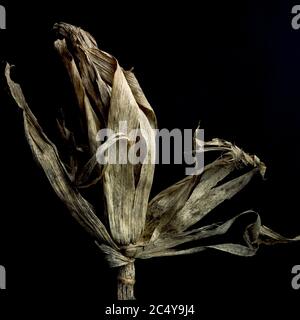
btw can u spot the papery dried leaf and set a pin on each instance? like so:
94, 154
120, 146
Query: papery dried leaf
169, 242
92, 123
127, 201
47, 156
204, 200
118, 96
254, 234
195, 197
106, 95
269, 237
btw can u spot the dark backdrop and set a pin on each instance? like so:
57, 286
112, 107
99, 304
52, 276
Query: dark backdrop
233, 66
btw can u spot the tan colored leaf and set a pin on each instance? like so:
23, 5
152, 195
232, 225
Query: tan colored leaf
47, 156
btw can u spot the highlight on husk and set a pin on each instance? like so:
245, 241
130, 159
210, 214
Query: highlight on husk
132, 227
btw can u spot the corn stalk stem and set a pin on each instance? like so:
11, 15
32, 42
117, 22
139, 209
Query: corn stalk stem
126, 280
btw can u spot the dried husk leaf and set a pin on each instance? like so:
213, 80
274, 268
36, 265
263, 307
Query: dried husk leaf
47, 156
101, 84
187, 202
106, 94
126, 200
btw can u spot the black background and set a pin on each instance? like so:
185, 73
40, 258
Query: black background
232, 65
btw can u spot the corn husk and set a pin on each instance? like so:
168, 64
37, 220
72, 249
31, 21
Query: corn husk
130, 227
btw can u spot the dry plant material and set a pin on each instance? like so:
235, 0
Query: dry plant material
131, 227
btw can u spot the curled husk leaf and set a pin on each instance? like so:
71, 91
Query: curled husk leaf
131, 227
